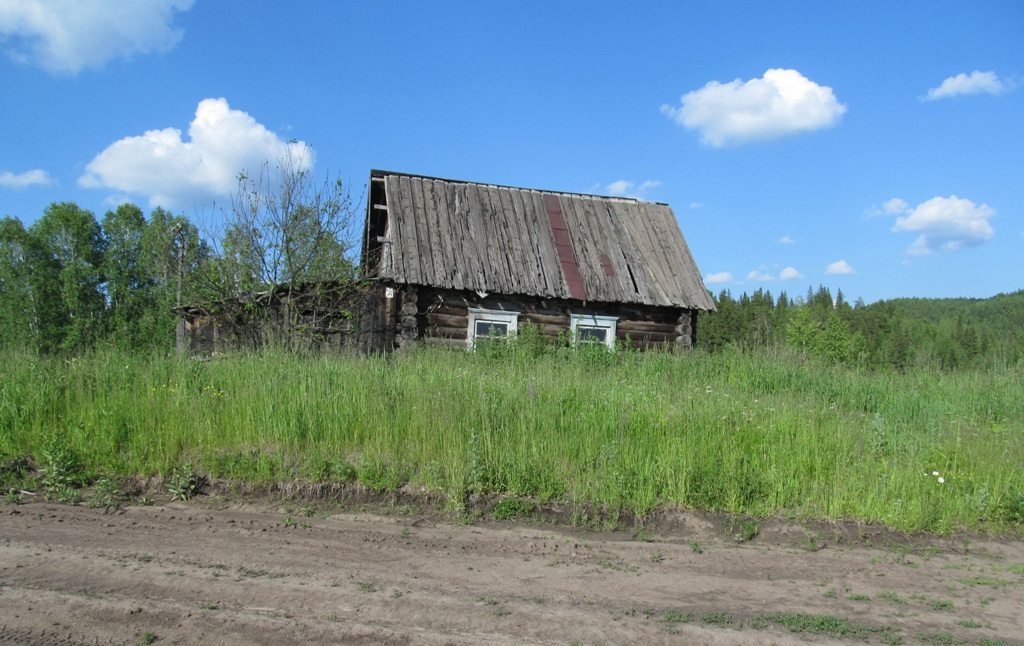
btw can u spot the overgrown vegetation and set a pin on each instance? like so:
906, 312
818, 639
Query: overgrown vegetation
750, 432
909, 333
70, 282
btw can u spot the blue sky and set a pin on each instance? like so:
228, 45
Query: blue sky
873, 147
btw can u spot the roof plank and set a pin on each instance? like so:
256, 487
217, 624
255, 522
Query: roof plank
451, 233
397, 231
554, 279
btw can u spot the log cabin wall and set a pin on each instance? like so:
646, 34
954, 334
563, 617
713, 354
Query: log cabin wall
442, 318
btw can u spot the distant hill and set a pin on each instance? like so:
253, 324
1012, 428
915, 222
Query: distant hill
1000, 313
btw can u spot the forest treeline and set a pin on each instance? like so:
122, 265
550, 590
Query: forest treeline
942, 333
71, 282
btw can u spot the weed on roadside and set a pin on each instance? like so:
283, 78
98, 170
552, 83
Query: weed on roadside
673, 616
104, 494
889, 595
970, 623
941, 639
723, 619
184, 483
799, 622
744, 531
62, 471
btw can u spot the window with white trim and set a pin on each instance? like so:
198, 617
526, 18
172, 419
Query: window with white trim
587, 328
491, 324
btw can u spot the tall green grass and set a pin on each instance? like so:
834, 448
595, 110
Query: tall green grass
759, 433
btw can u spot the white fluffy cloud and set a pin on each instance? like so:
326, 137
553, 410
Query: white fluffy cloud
173, 172
66, 36
760, 276
895, 206
790, 273
720, 278
839, 267
34, 177
780, 103
974, 83
786, 240
945, 224
625, 188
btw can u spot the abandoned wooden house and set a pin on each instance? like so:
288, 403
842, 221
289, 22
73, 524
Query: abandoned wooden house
457, 261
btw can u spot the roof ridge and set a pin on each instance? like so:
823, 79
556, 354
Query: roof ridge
381, 173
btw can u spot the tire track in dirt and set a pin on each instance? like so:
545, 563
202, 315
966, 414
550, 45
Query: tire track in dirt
195, 573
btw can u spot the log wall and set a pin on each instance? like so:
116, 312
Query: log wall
442, 318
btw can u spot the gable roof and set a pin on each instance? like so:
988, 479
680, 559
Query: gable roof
503, 240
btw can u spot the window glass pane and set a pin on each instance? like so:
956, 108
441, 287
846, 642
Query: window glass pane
592, 334
491, 328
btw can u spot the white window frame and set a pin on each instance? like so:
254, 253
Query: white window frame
607, 323
500, 317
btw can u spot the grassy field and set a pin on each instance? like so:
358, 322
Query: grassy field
755, 433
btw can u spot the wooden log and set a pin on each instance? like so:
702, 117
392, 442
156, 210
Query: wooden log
449, 310
448, 332
657, 337
644, 344
443, 310
547, 319
409, 297
553, 330
409, 322
645, 326
409, 309
448, 320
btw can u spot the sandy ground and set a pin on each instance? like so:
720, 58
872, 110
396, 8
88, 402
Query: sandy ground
214, 572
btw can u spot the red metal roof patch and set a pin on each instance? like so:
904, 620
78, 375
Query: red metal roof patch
563, 247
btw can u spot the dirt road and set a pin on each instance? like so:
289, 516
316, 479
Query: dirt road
218, 573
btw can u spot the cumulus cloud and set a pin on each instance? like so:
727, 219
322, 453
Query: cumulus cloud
790, 273
786, 240
718, 279
66, 36
34, 177
946, 224
974, 83
895, 206
625, 188
760, 276
839, 267
780, 103
174, 172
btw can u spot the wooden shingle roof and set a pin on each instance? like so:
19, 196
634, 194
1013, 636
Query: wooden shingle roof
503, 240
